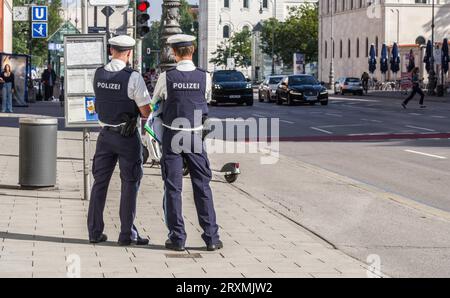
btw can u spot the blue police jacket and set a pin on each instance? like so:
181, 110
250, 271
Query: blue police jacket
111, 96
185, 95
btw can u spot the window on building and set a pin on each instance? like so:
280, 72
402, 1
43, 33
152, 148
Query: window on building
376, 46
335, 5
226, 3
367, 47
343, 5
265, 3
246, 28
340, 48
360, 3
226, 31
349, 48
333, 50
326, 50
246, 3
351, 4
357, 48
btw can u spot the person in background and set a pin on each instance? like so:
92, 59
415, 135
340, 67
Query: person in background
416, 89
365, 81
7, 80
48, 79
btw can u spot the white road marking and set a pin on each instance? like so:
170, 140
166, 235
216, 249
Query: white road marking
322, 130
439, 117
421, 128
259, 115
415, 114
354, 99
343, 125
227, 120
370, 134
426, 154
372, 120
335, 115
286, 121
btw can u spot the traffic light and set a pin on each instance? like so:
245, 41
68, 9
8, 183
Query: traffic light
142, 18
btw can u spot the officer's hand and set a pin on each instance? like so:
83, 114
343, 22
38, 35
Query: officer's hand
145, 111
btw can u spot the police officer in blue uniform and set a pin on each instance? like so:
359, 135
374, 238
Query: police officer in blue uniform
184, 92
121, 97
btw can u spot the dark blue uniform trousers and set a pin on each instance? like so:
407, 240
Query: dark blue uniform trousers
112, 147
200, 172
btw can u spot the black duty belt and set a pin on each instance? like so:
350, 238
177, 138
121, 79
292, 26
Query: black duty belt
117, 129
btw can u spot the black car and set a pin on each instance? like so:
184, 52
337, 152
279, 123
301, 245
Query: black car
230, 86
301, 88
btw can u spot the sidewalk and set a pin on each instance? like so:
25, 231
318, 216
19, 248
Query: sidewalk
401, 96
43, 232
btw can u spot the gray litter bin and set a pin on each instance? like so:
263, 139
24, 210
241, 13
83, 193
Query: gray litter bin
37, 152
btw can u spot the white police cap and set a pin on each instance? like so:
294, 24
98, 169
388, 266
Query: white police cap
181, 40
122, 42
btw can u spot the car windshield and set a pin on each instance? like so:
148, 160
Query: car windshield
352, 80
228, 77
302, 80
276, 80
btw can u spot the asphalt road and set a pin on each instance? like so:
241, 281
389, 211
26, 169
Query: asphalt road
375, 142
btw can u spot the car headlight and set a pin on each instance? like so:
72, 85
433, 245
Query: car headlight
249, 86
216, 86
323, 92
296, 92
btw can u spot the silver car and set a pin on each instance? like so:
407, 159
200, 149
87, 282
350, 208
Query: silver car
268, 88
348, 85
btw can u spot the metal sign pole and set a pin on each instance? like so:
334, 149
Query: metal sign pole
86, 161
86, 133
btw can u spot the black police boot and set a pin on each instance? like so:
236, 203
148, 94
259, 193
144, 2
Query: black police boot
172, 246
100, 239
213, 247
139, 241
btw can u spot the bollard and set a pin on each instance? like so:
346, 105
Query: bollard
37, 152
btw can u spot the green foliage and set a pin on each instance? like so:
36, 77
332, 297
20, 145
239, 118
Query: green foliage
189, 23
238, 47
152, 41
300, 31
21, 33
187, 19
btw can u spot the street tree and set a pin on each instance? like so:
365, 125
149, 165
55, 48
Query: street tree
298, 33
238, 47
152, 41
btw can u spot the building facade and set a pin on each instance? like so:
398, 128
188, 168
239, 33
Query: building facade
6, 25
347, 28
220, 19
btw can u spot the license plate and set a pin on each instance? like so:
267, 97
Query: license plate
310, 98
235, 96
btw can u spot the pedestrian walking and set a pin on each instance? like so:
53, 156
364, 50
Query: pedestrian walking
415, 89
121, 97
184, 92
48, 78
7, 82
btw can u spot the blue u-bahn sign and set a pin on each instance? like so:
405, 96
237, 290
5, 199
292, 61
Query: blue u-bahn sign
39, 13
